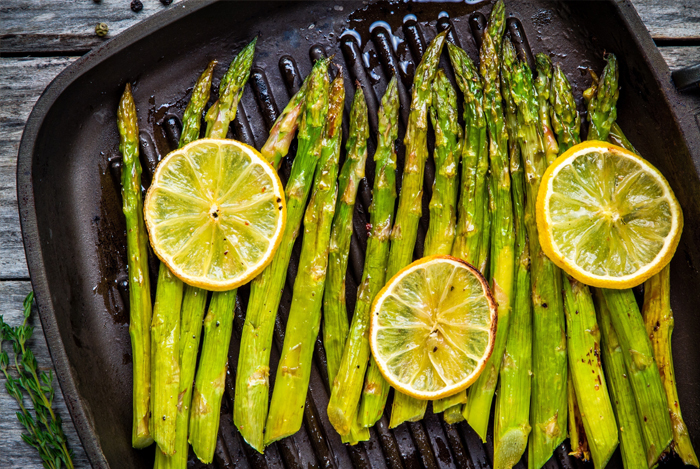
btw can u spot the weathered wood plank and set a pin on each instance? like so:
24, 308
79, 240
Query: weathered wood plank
65, 27
22, 81
68, 26
680, 57
16, 453
670, 19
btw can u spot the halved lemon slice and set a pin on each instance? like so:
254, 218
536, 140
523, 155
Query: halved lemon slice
606, 216
433, 327
215, 213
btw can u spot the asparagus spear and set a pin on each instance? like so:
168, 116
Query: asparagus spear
139, 285
642, 372
403, 236
543, 85
587, 372
658, 319
347, 384
590, 389
512, 414
473, 199
441, 231
284, 128
335, 316
502, 268
194, 302
548, 408
294, 370
218, 323
631, 440
250, 407
626, 318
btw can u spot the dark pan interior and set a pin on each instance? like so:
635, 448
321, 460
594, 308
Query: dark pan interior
74, 228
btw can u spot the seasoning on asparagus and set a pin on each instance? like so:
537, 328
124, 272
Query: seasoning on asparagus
335, 316
502, 262
405, 231
139, 285
218, 322
194, 303
443, 204
548, 408
590, 390
658, 319
252, 376
294, 369
512, 413
284, 128
346, 388
630, 429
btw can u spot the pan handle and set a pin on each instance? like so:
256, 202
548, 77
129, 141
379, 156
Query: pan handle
687, 78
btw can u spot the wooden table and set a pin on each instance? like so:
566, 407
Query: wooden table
39, 38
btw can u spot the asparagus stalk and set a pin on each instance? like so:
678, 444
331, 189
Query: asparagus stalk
643, 373
502, 268
543, 86
250, 407
165, 369
658, 319
294, 370
472, 240
347, 384
194, 302
583, 336
512, 414
473, 200
548, 408
218, 323
631, 440
284, 128
403, 236
602, 105
335, 316
139, 285
441, 231
405, 231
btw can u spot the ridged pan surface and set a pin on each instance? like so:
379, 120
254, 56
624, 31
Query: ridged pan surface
74, 227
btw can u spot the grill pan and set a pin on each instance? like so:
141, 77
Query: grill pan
73, 228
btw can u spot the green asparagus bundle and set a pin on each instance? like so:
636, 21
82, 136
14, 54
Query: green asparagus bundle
658, 319
284, 128
139, 285
218, 323
502, 262
583, 336
194, 303
512, 414
631, 440
443, 204
405, 231
252, 376
294, 370
335, 316
548, 408
346, 388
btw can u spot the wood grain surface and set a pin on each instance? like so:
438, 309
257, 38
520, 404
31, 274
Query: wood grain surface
39, 38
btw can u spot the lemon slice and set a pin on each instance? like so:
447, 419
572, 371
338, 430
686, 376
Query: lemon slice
606, 216
215, 213
433, 327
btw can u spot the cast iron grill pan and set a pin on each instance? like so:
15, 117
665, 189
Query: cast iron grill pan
74, 188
